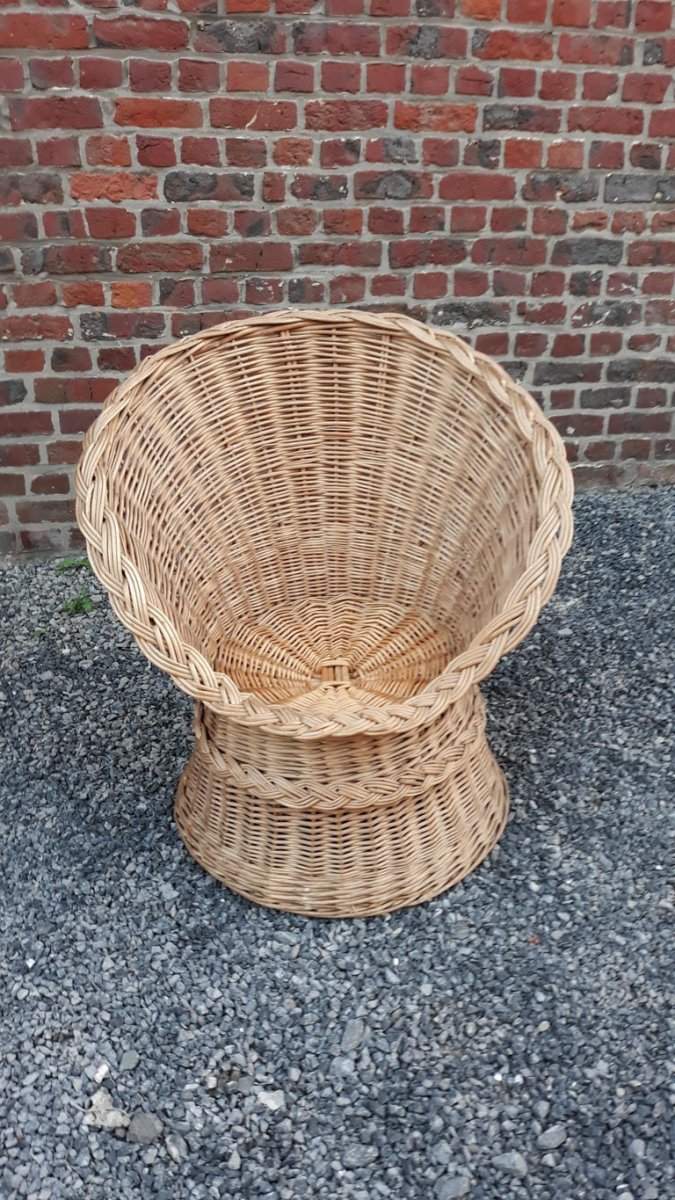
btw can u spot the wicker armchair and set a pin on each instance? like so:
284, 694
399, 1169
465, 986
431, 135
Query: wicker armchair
328, 527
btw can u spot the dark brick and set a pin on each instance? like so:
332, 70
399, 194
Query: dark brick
646, 157
571, 187
241, 37
388, 185
176, 293
69, 224
207, 185
586, 283
12, 391
665, 189
253, 224
624, 370
160, 222
425, 42
630, 370
508, 283
305, 291
319, 187
653, 54
399, 150
484, 152
340, 152
94, 325
435, 8
573, 251
517, 370
70, 358
31, 189
630, 189
606, 397
607, 312
521, 116
566, 372
471, 313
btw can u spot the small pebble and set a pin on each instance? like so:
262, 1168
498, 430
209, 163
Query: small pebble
553, 1137
359, 1155
512, 1161
450, 1187
144, 1127
177, 1147
129, 1060
272, 1100
353, 1035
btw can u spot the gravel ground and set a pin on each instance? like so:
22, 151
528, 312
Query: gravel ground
160, 1037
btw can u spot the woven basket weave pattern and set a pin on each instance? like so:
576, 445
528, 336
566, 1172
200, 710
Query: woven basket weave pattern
328, 527
352, 860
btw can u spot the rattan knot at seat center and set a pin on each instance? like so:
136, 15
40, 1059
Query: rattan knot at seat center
328, 527
336, 672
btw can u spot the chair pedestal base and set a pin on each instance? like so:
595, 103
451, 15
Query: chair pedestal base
342, 827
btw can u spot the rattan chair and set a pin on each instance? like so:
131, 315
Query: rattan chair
328, 527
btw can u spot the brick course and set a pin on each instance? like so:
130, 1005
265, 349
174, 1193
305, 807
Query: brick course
504, 168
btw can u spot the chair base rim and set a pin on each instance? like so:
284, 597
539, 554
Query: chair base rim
343, 863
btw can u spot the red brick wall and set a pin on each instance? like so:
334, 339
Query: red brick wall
501, 167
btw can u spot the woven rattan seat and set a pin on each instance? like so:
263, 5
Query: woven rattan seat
328, 527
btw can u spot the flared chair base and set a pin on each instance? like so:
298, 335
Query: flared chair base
342, 827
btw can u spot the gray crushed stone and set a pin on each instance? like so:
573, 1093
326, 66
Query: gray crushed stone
552, 1138
510, 1039
129, 1060
451, 1187
144, 1128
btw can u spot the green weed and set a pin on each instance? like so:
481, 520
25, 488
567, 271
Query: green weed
81, 603
72, 563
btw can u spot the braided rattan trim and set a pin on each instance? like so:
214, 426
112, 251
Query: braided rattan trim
164, 646
415, 762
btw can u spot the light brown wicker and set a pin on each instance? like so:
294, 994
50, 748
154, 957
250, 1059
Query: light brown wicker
328, 527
